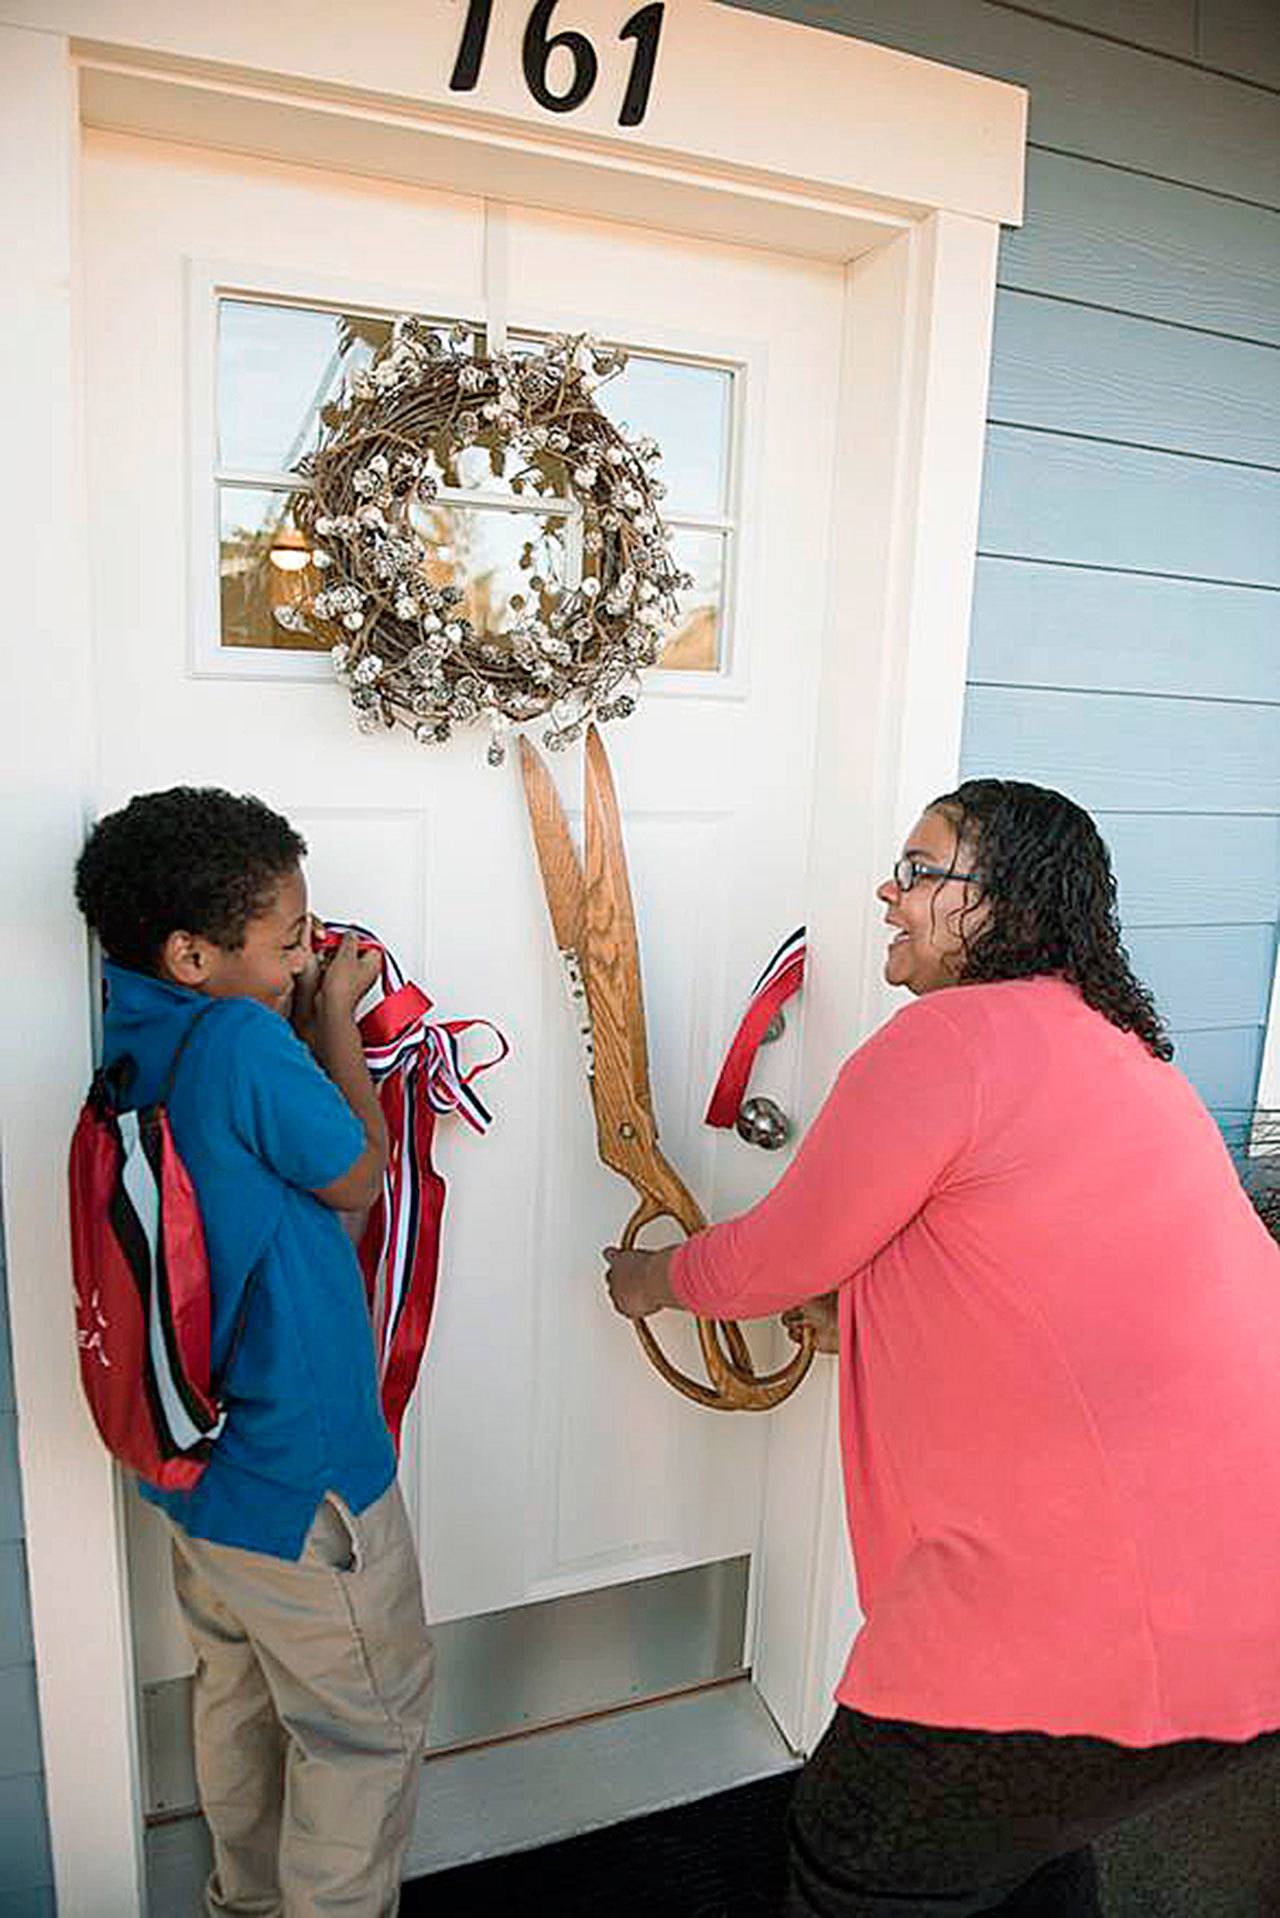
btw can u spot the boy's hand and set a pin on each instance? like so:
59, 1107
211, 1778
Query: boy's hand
344, 980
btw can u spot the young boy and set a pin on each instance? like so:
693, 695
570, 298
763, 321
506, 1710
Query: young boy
292, 1556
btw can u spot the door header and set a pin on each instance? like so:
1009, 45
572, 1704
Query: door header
714, 90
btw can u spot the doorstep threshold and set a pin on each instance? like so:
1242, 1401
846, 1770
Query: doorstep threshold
490, 1800
569, 1779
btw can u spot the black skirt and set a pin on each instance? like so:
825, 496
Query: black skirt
894, 1820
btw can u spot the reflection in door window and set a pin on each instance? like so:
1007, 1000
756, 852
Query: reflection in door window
265, 563
279, 364
694, 644
506, 564
687, 409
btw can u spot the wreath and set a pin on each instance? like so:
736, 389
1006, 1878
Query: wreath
386, 602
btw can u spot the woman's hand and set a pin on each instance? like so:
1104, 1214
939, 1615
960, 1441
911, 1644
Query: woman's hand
638, 1282
820, 1317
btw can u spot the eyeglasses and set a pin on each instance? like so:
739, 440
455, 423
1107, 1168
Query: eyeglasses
907, 871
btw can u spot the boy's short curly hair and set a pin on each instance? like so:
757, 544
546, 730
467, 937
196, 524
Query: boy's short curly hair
192, 859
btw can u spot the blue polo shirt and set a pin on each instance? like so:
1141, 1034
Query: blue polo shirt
260, 1127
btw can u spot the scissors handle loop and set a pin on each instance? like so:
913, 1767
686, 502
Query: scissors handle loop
735, 1385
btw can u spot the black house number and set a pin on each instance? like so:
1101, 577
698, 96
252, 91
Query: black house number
644, 27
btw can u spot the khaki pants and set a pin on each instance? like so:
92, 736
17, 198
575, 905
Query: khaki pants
313, 1681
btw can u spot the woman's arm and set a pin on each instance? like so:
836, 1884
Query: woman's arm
640, 1283
901, 1113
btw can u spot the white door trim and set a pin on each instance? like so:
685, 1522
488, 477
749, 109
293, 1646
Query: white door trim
900, 168
1269, 1077
74, 1541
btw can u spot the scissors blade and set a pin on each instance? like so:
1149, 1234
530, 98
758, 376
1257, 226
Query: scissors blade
557, 856
611, 966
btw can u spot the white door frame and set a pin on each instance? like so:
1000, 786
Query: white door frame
1269, 1077
901, 169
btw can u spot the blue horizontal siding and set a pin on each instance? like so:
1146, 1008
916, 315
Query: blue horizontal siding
25, 1860
1242, 36
1088, 95
1165, 26
1066, 626
1048, 496
1188, 870
10, 1488
37, 1902
1083, 371
19, 1722
15, 1621
1118, 239
1206, 976
1120, 753
1223, 1066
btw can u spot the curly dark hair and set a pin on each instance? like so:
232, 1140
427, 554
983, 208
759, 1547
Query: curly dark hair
192, 859
1046, 875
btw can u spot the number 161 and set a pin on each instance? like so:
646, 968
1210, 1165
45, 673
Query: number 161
644, 27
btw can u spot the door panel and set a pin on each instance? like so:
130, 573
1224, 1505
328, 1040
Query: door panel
545, 1457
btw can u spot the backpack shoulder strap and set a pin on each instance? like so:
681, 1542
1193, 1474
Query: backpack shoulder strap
167, 1088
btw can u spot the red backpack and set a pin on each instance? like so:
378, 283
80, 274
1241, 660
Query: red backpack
142, 1284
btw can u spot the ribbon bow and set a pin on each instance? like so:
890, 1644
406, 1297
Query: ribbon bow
783, 976
416, 1067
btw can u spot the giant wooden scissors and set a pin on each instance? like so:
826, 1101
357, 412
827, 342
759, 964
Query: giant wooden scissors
594, 926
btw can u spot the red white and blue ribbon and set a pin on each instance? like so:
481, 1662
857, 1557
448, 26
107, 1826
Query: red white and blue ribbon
780, 979
416, 1067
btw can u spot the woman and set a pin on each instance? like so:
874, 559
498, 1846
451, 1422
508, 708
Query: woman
1059, 1337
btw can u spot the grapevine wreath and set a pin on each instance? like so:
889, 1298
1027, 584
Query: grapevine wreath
390, 612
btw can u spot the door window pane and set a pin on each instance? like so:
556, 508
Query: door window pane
687, 410
263, 563
694, 643
277, 366
509, 566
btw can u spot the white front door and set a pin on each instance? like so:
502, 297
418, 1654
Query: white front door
545, 1457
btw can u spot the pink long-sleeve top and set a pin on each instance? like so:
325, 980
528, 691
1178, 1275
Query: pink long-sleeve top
1059, 1373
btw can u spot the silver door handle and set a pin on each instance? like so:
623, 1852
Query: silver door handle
762, 1122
